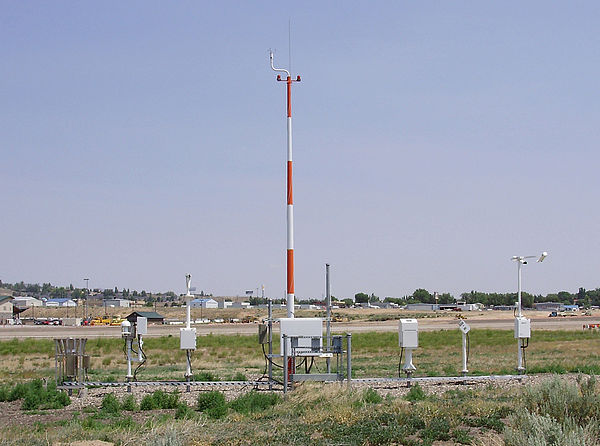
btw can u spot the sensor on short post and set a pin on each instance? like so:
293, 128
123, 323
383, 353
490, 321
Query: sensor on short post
408, 340
464, 328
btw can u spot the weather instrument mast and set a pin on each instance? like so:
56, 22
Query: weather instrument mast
290, 199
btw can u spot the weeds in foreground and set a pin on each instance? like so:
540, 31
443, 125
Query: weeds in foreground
160, 400
253, 402
35, 395
212, 404
110, 405
415, 393
553, 413
558, 413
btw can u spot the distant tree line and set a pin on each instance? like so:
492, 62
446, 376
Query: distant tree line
583, 298
264, 301
51, 291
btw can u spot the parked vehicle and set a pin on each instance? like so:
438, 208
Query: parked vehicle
116, 322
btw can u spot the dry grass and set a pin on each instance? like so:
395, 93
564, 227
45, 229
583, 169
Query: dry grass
374, 355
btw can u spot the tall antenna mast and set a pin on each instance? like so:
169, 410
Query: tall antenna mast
290, 199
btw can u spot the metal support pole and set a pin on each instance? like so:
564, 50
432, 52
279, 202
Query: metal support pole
285, 364
270, 362
140, 346
188, 316
349, 357
519, 283
464, 352
520, 368
128, 348
188, 369
290, 200
328, 302
56, 341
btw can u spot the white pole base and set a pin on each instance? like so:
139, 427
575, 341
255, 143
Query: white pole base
408, 364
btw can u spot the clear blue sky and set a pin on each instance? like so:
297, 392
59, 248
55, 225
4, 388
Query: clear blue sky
144, 140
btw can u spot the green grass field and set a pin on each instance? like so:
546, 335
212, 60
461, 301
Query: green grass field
373, 355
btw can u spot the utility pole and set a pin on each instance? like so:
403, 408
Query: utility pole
87, 296
290, 200
328, 303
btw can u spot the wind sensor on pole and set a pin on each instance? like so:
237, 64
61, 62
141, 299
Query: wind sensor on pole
290, 200
522, 324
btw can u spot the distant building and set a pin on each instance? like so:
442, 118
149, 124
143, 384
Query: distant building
60, 302
121, 303
6, 309
504, 307
27, 302
240, 305
152, 316
204, 303
422, 307
548, 306
224, 304
384, 305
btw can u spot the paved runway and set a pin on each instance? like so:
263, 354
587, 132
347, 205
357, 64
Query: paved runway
478, 321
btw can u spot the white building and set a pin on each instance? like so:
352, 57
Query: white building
61, 302
225, 304
26, 302
204, 303
122, 303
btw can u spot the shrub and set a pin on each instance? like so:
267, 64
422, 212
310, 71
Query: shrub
18, 392
110, 404
166, 400
148, 403
542, 430
205, 376
160, 400
212, 404
254, 401
557, 412
36, 396
184, 411
562, 400
31, 401
129, 404
4, 393
415, 393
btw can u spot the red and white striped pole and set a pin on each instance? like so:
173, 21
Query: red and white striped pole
290, 197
